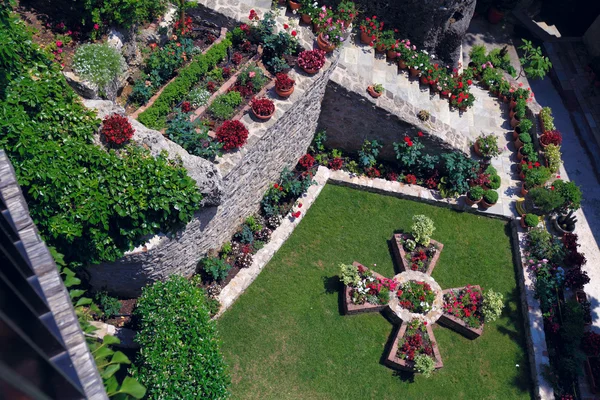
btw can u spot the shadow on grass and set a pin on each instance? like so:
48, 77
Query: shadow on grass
332, 285
404, 376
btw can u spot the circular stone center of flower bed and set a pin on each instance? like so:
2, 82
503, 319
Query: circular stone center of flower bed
407, 302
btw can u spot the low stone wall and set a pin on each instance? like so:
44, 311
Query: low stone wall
247, 173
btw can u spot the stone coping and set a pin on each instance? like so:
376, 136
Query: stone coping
436, 310
352, 309
393, 361
457, 324
400, 254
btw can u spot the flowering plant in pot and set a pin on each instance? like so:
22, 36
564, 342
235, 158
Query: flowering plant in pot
375, 90
346, 12
419, 61
490, 197
416, 297
404, 51
370, 29
284, 85
547, 119
553, 157
474, 195
387, 41
487, 146
324, 15
232, 134
311, 61
331, 35
309, 10
263, 108
551, 137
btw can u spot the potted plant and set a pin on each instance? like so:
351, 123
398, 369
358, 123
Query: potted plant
519, 113
386, 41
523, 139
324, 16
375, 90
330, 36
545, 200
404, 51
284, 85
419, 61
495, 182
474, 195
311, 61
504, 89
346, 12
565, 223
370, 29
551, 137
553, 157
529, 221
309, 11
527, 149
263, 108
535, 177
490, 197
523, 127
487, 146
546, 119
294, 5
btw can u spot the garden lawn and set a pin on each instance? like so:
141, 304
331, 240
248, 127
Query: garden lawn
285, 338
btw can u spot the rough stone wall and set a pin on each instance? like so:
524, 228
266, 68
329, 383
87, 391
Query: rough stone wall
436, 25
349, 118
282, 144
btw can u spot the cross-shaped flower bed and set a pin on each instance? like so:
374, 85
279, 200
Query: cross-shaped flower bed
416, 301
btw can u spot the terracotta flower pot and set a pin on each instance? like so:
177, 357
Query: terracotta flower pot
544, 145
504, 99
391, 55
514, 121
471, 202
515, 134
310, 71
512, 104
315, 27
324, 44
477, 149
263, 117
413, 72
380, 47
519, 154
518, 144
484, 204
373, 93
494, 15
511, 113
284, 93
521, 174
365, 38
294, 5
402, 64
306, 19
523, 190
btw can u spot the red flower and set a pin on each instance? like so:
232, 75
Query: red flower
537, 164
285, 26
425, 323
530, 166
117, 129
470, 82
299, 205
294, 33
420, 134
296, 214
552, 187
232, 134
96, 26
306, 161
253, 15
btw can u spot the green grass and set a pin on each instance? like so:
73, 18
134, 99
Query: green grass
285, 338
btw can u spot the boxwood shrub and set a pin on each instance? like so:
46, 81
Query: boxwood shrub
155, 116
180, 356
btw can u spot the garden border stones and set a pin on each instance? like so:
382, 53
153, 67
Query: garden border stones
457, 324
353, 309
400, 254
392, 359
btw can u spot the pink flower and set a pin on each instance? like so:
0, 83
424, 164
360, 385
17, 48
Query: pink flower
59, 51
252, 74
96, 26
59, 43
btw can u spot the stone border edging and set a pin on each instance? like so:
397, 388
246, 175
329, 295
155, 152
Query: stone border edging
535, 336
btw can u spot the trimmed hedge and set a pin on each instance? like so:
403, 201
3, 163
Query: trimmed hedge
155, 116
180, 356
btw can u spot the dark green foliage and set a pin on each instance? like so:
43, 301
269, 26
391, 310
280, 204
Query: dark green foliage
92, 205
545, 200
275, 44
542, 245
141, 93
154, 116
215, 267
495, 181
457, 168
183, 132
532, 220
109, 305
246, 235
122, 12
180, 357
223, 107
571, 333
490, 196
367, 155
291, 185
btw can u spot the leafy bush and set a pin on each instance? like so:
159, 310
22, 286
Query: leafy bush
545, 199
570, 192
141, 92
542, 245
476, 193
198, 97
493, 303
254, 76
223, 107
99, 63
553, 157
124, 13
424, 365
367, 155
531, 220
154, 116
164, 61
180, 356
232, 134
490, 196
183, 132
458, 169
117, 129
109, 305
215, 267
422, 229
495, 181
349, 274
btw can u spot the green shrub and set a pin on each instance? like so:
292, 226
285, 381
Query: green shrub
493, 303
154, 116
349, 274
570, 193
109, 305
424, 365
255, 75
180, 355
99, 63
490, 196
124, 13
476, 193
422, 229
495, 181
542, 245
525, 137
457, 170
553, 157
536, 176
254, 225
531, 220
183, 132
545, 199
525, 126
215, 267
141, 92
223, 107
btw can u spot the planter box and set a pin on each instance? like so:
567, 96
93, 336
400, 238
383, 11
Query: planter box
351, 308
457, 324
400, 254
394, 362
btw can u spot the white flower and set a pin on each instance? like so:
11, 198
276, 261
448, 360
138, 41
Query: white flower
425, 51
295, 12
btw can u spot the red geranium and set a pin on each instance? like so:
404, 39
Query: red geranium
117, 129
284, 82
263, 107
232, 134
336, 164
306, 161
410, 179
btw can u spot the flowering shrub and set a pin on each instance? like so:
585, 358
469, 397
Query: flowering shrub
551, 137
311, 59
416, 297
365, 287
99, 63
117, 129
415, 342
410, 179
233, 134
306, 161
198, 97
283, 82
422, 229
465, 304
263, 107
371, 27
336, 163
333, 32
488, 145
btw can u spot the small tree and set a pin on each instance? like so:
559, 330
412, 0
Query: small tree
533, 62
